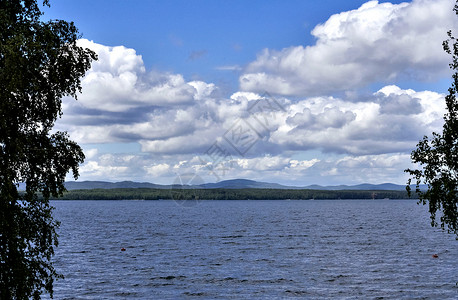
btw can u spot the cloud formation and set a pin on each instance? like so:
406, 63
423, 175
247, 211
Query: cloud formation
315, 138
375, 133
118, 82
378, 42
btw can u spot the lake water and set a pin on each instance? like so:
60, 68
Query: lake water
356, 249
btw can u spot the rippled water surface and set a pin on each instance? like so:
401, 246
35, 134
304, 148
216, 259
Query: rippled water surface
341, 249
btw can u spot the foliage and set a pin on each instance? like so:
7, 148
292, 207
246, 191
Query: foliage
39, 64
438, 157
226, 194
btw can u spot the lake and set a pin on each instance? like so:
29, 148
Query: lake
340, 249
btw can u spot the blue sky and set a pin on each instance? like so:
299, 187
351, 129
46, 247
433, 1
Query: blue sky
197, 38
358, 84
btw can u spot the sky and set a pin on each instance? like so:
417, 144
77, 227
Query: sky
294, 92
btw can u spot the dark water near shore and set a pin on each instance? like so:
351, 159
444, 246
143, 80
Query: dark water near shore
368, 249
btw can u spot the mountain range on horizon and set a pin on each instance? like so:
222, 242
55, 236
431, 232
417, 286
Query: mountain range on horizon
228, 184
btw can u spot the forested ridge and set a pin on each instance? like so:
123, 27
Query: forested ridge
227, 194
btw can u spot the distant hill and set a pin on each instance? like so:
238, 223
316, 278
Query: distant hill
86, 185
229, 184
243, 184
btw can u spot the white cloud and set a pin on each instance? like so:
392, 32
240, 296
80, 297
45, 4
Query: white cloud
158, 170
203, 89
94, 169
196, 142
90, 153
174, 121
376, 42
263, 163
229, 68
373, 168
118, 81
432, 105
280, 168
392, 120
331, 117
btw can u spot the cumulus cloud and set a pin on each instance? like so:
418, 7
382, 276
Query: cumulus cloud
174, 121
266, 163
279, 168
376, 42
118, 82
158, 169
400, 105
365, 168
331, 117
105, 167
390, 121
